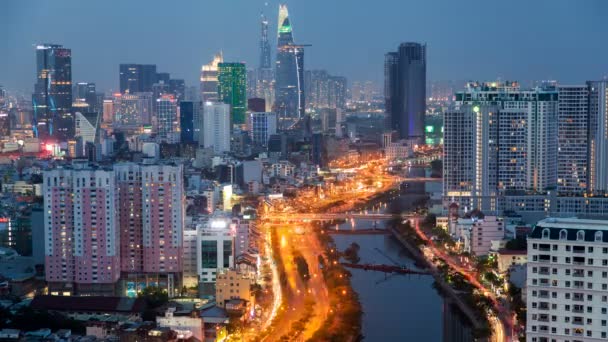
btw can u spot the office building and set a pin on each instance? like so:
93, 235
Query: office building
567, 281
82, 251
130, 110
85, 92
108, 110
137, 78
209, 81
188, 122
216, 127
405, 90
52, 97
87, 128
215, 248
499, 139
167, 122
232, 89
262, 125
572, 146
256, 104
289, 88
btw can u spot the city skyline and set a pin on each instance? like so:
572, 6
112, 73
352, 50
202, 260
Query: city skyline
186, 46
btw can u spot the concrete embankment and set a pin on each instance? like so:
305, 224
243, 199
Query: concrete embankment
448, 290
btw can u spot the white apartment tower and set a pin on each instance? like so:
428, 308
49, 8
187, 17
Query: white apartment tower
567, 281
216, 127
499, 139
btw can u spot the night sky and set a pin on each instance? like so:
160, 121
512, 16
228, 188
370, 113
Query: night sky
467, 39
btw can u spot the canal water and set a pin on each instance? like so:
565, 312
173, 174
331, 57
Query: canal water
399, 307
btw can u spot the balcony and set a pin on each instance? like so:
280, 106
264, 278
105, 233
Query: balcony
578, 249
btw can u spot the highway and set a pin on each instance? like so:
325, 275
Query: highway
291, 220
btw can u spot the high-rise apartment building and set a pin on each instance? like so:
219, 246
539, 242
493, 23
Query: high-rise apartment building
102, 223
167, 129
499, 139
324, 90
572, 153
216, 127
567, 281
137, 78
598, 137
405, 90
232, 89
289, 89
81, 231
261, 126
209, 82
151, 211
52, 97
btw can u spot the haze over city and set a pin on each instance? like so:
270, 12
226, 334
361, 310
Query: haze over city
467, 39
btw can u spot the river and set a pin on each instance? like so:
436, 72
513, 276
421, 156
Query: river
400, 307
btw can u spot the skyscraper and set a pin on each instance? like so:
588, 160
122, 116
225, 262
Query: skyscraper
262, 126
52, 97
167, 121
216, 127
186, 122
136, 78
500, 139
572, 143
264, 44
232, 89
405, 90
82, 232
209, 79
85, 92
598, 137
289, 97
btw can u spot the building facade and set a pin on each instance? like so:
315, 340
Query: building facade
167, 123
261, 126
216, 127
52, 97
567, 281
232, 89
209, 81
289, 71
405, 90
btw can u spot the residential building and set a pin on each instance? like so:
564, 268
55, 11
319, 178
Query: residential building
598, 137
567, 281
572, 146
498, 140
216, 128
81, 231
232, 285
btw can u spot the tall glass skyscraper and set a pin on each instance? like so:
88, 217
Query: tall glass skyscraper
405, 90
209, 79
136, 78
232, 89
52, 97
264, 83
289, 100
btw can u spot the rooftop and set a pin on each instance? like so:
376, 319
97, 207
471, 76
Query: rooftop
91, 303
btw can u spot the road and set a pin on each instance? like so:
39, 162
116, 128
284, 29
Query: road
502, 327
295, 237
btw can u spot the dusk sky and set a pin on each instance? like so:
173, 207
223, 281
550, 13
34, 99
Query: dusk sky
520, 40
